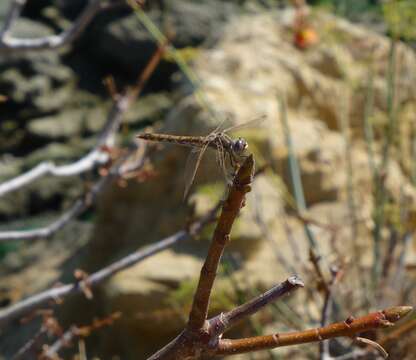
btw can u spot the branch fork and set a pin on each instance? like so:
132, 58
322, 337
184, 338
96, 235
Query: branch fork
204, 337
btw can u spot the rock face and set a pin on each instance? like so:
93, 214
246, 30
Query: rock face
37, 83
242, 76
125, 42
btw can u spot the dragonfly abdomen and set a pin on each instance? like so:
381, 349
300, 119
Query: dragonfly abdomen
180, 140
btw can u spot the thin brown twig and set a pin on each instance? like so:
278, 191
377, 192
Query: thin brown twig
389, 256
202, 337
51, 352
196, 335
379, 319
192, 344
225, 321
50, 327
230, 210
322, 283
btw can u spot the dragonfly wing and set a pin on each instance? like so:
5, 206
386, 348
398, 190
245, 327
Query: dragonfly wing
252, 123
192, 164
217, 129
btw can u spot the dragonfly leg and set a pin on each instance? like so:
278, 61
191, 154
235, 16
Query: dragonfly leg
221, 158
192, 165
234, 166
233, 161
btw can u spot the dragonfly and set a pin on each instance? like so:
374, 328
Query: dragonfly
227, 148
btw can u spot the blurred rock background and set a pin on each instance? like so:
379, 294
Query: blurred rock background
245, 56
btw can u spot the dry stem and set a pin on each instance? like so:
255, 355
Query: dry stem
349, 328
230, 210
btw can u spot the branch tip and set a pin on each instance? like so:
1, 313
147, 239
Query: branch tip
245, 172
295, 280
395, 313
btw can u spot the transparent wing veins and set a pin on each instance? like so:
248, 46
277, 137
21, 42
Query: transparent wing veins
192, 164
250, 123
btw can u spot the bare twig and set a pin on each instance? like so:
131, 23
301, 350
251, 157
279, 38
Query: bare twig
379, 319
50, 327
385, 341
192, 344
224, 321
230, 210
10, 45
87, 163
76, 209
204, 337
196, 335
322, 283
95, 157
74, 332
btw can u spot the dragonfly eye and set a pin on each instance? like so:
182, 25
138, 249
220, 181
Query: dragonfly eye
240, 145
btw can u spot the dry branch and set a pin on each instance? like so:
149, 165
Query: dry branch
202, 335
77, 208
91, 160
192, 344
203, 338
97, 156
348, 328
230, 210
51, 352
225, 321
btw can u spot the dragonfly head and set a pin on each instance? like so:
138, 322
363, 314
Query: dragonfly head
239, 146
